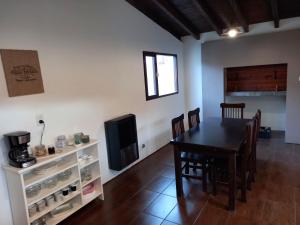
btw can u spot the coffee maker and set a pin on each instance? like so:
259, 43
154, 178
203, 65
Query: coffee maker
18, 154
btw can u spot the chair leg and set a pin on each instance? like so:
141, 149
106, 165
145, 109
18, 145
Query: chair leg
204, 177
251, 177
249, 182
209, 173
187, 167
244, 185
244, 193
254, 164
214, 179
195, 169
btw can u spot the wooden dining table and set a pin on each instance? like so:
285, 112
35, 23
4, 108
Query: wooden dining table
215, 137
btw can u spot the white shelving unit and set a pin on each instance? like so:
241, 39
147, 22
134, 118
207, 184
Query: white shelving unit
19, 179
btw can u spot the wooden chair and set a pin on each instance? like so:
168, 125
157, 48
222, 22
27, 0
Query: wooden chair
232, 110
194, 117
252, 164
244, 166
255, 137
259, 121
191, 160
178, 126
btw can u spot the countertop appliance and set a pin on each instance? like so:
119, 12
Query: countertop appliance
18, 149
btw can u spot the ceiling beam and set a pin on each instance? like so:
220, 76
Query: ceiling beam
176, 16
238, 12
207, 14
274, 7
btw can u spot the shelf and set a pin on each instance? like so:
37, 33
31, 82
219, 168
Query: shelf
46, 192
34, 179
256, 93
91, 180
43, 161
19, 179
91, 197
49, 209
55, 220
83, 165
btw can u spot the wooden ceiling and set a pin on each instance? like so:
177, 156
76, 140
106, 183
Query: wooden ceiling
193, 17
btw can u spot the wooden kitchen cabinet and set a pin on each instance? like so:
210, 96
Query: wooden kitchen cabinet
262, 78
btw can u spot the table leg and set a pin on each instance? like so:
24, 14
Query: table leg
178, 172
243, 177
204, 177
232, 180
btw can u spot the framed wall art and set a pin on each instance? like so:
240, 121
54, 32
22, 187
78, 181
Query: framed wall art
22, 72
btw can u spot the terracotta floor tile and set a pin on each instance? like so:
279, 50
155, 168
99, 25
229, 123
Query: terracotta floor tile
297, 214
168, 223
211, 215
145, 219
135, 196
159, 184
187, 211
168, 171
278, 213
251, 210
161, 206
239, 220
297, 195
142, 200
171, 190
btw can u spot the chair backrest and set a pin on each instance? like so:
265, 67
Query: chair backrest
178, 126
258, 114
255, 130
249, 140
194, 117
233, 110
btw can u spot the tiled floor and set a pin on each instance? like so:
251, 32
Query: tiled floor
146, 194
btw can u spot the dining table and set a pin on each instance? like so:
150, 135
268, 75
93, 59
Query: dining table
213, 137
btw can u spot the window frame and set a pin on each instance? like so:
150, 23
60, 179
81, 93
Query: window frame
154, 54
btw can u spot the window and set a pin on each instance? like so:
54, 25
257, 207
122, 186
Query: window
161, 77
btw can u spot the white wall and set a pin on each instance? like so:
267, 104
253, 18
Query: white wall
273, 108
281, 47
91, 59
192, 74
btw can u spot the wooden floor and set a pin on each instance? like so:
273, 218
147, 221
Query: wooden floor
145, 195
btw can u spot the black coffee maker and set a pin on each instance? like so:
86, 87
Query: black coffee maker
18, 153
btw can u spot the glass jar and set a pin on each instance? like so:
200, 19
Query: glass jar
51, 182
62, 208
86, 174
40, 150
58, 196
73, 187
50, 200
51, 150
32, 210
41, 221
65, 175
41, 205
33, 190
65, 191
85, 158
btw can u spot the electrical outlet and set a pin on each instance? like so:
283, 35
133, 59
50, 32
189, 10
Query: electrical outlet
38, 118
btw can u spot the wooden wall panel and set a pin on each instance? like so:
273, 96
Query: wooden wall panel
256, 78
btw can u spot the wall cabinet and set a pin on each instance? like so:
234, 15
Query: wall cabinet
263, 78
74, 166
